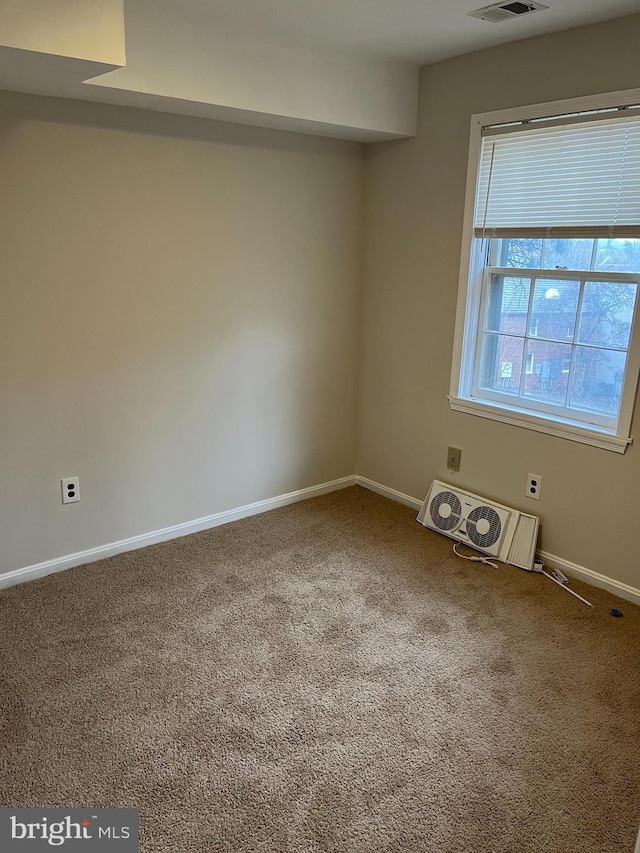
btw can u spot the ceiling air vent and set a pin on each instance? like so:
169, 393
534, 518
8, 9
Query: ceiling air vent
503, 11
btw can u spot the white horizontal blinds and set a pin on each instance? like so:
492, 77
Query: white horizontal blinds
579, 179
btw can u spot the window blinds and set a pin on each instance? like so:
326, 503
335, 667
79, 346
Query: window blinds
573, 179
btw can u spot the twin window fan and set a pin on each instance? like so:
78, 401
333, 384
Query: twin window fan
498, 531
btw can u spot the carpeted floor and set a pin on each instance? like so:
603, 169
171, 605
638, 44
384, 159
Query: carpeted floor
324, 677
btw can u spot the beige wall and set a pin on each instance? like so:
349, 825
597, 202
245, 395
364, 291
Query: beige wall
178, 301
414, 209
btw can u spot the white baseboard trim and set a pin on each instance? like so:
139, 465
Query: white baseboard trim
622, 590
59, 564
387, 492
581, 573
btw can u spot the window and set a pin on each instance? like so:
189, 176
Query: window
551, 273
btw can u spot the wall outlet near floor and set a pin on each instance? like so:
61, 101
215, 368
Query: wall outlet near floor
453, 458
70, 490
534, 486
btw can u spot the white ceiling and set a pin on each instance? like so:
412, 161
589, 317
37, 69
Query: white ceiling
343, 68
420, 31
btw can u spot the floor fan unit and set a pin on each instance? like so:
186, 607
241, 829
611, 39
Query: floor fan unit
496, 530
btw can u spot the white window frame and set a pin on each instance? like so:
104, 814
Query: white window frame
472, 264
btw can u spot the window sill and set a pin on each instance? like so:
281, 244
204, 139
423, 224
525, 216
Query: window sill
541, 423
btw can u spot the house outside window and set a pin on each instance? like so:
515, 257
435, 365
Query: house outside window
546, 335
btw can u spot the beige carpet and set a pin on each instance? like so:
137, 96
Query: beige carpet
324, 677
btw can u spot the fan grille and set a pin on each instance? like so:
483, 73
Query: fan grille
445, 511
486, 536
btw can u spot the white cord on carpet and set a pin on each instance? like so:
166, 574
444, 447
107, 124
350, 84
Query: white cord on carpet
538, 567
483, 560
575, 594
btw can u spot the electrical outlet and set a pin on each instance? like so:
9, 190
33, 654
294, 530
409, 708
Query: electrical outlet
70, 490
534, 486
453, 458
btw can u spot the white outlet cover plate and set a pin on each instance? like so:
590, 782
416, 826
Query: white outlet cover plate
70, 490
538, 480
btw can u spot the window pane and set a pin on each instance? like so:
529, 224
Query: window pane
596, 380
567, 254
501, 363
507, 304
522, 252
549, 378
553, 312
606, 314
618, 256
